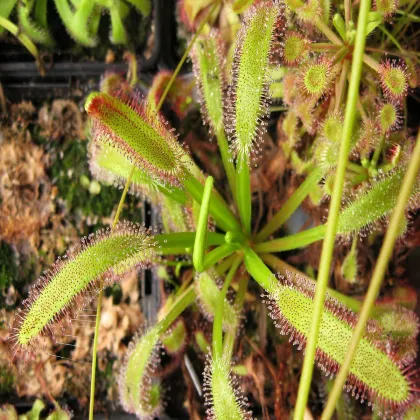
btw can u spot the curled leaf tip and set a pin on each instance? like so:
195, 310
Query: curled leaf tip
141, 135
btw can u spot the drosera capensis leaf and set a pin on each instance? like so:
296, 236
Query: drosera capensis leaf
374, 204
104, 257
209, 63
140, 133
249, 101
144, 138
385, 7
139, 389
173, 216
375, 376
249, 97
222, 392
207, 56
402, 327
139, 392
108, 164
208, 292
360, 215
143, 6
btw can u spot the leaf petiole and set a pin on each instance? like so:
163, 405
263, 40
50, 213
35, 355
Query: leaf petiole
200, 242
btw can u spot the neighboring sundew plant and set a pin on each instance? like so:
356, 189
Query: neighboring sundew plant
294, 48
81, 18
316, 78
389, 118
393, 80
75, 279
350, 147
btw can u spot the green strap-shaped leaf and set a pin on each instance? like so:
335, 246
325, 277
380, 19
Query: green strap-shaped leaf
109, 164
6, 8
248, 96
105, 256
373, 205
143, 6
33, 29
222, 393
138, 394
76, 23
207, 57
374, 375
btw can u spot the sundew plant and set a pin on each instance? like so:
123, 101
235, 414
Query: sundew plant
344, 99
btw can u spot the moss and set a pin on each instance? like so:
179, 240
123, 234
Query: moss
8, 268
6, 380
